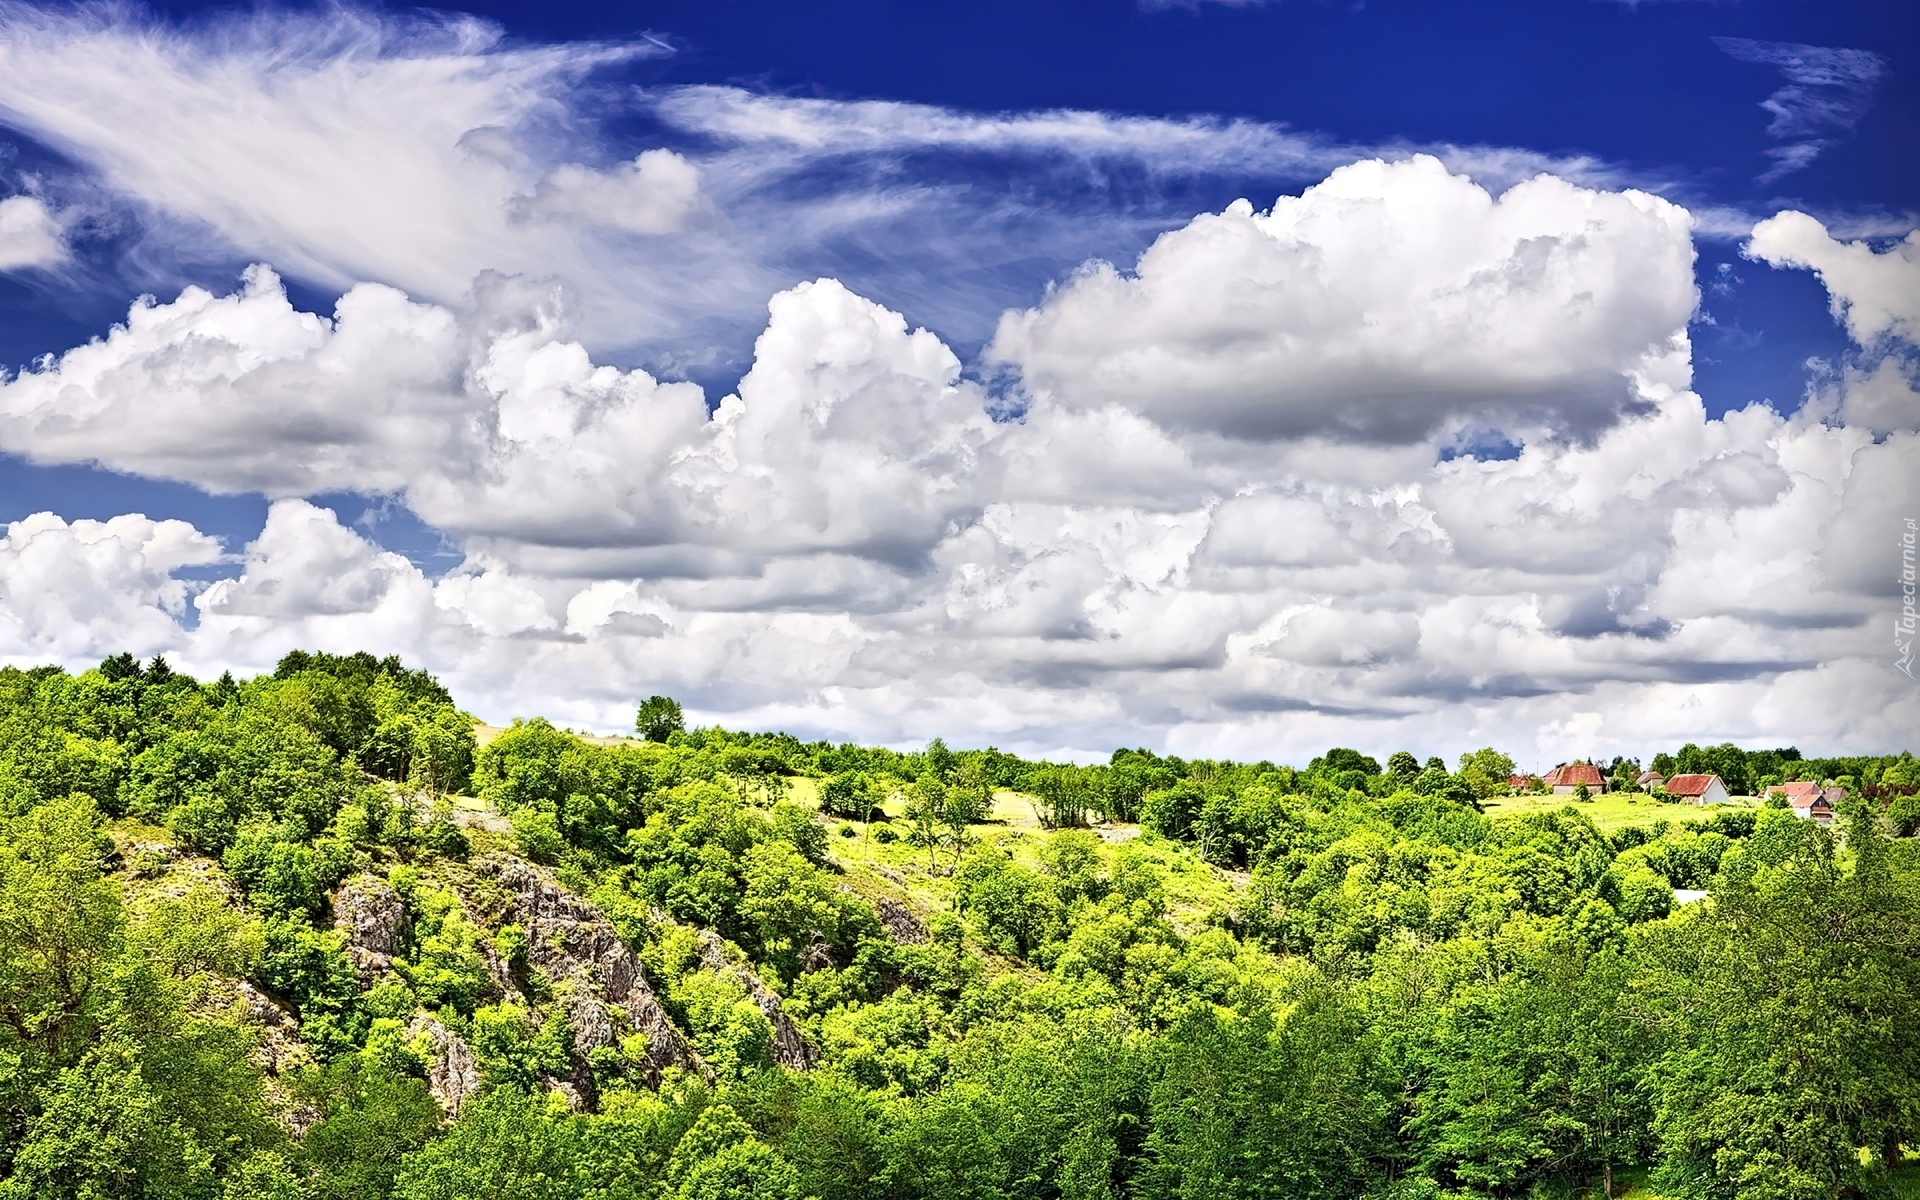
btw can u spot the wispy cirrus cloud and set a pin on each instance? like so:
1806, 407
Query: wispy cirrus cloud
346, 146
1828, 90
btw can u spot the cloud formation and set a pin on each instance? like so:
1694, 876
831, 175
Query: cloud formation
850, 434
338, 148
1828, 90
1876, 294
851, 544
1228, 492
68, 588
345, 146
29, 236
653, 194
1379, 304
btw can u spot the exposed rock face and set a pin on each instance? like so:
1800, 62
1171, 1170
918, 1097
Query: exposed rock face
479, 818
790, 1047
900, 923
454, 1073
374, 918
148, 858
280, 1046
572, 942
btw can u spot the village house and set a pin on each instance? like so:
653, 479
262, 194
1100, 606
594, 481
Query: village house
1808, 801
1698, 789
1649, 780
1565, 780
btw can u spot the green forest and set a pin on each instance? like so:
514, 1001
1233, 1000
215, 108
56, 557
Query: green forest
318, 934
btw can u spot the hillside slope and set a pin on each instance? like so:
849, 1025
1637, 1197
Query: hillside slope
302, 936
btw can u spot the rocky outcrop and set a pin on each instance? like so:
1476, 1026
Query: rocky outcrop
574, 945
280, 1048
790, 1047
478, 818
899, 922
374, 918
453, 1074
148, 859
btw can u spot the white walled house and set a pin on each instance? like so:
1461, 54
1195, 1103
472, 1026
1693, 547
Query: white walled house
1699, 789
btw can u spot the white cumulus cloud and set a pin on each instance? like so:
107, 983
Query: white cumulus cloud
1876, 293
67, 588
1222, 523
29, 235
1380, 304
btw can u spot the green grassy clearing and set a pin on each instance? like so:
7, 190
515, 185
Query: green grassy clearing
1612, 810
484, 733
1194, 889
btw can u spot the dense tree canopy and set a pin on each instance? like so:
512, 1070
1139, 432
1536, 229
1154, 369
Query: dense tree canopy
260, 938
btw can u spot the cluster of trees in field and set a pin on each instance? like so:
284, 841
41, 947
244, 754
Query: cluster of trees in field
1338, 980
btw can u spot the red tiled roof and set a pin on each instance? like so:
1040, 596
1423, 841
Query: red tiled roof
1797, 794
1575, 774
1691, 785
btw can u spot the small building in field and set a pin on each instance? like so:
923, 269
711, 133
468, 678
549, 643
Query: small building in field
1566, 779
1650, 780
1698, 789
1521, 783
1807, 800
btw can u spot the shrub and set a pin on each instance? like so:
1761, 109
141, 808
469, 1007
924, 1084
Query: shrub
538, 835
847, 794
1170, 812
795, 824
1904, 816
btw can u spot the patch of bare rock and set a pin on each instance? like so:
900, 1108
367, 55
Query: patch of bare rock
790, 1046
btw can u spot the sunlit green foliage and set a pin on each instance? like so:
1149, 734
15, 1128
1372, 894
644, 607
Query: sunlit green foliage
1343, 980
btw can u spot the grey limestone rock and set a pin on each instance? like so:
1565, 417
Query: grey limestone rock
280, 1045
374, 918
900, 923
790, 1047
454, 1073
574, 945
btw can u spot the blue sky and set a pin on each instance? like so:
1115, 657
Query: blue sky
958, 165
1643, 87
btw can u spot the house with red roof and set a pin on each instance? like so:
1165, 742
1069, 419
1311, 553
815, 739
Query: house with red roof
1565, 780
1698, 789
1808, 800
